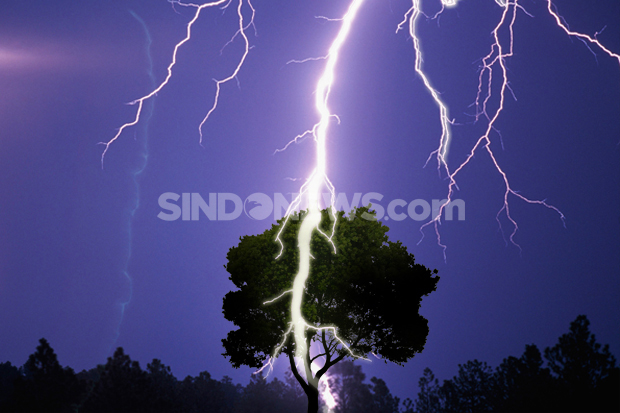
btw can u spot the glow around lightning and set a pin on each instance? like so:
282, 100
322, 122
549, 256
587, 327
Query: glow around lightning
317, 179
311, 191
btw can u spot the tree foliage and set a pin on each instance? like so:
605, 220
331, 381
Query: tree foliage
370, 291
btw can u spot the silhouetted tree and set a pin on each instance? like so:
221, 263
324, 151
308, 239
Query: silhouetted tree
122, 387
262, 396
584, 369
428, 400
348, 387
295, 396
162, 386
468, 391
8, 375
581, 377
363, 290
205, 394
382, 399
45, 385
519, 384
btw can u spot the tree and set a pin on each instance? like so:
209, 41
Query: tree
163, 386
262, 396
370, 291
46, 386
382, 399
468, 391
522, 384
585, 370
429, 396
581, 376
122, 387
347, 385
205, 394
352, 395
8, 375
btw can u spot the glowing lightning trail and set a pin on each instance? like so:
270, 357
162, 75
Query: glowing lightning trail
318, 177
494, 62
415, 12
311, 189
493, 67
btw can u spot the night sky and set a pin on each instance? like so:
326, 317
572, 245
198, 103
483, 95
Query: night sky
69, 231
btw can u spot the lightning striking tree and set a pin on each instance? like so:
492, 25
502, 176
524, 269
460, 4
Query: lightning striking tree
363, 300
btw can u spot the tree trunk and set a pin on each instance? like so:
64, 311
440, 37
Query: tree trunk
313, 399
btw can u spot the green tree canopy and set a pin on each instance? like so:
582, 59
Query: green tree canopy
370, 290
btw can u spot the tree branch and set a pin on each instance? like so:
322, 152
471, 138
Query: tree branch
317, 356
329, 364
325, 346
300, 379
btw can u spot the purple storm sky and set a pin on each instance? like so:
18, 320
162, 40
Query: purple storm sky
68, 68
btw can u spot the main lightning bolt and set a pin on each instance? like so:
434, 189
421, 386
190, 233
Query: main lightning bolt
311, 193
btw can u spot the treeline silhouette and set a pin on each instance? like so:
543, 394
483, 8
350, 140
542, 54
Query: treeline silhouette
121, 385
577, 375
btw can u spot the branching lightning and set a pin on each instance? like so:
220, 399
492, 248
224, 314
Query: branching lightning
413, 16
493, 66
142, 112
583, 37
242, 27
494, 61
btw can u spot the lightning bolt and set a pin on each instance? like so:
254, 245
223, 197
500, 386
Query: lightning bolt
412, 16
242, 27
583, 37
493, 67
310, 191
135, 175
494, 62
